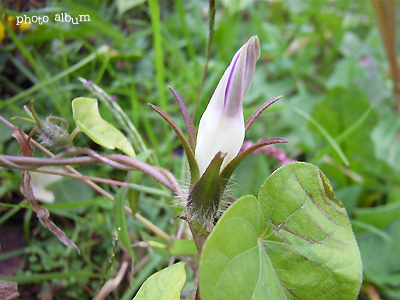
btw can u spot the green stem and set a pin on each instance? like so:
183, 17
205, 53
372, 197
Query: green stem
73, 134
200, 236
155, 17
208, 54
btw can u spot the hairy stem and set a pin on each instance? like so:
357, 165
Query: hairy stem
117, 161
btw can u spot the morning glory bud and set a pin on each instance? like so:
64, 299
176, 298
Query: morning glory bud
221, 127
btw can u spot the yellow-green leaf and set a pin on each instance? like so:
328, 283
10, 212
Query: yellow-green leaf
164, 285
87, 118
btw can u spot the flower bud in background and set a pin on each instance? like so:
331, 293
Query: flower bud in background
50, 135
221, 127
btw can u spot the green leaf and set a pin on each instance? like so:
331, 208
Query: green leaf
294, 242
183, 247
125, 5
379, 216
325, 133
381, 259
340, 110
120, 219
345, 73
133, 195
385, 137
164, 285
347, 133
87, 118
351, 45
71, 191
234, 6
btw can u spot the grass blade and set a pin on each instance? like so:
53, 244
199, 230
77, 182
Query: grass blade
325, 133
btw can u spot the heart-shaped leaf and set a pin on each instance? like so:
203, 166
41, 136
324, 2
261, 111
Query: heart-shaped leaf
294, 242
87, 118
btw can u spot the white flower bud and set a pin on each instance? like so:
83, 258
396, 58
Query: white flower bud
221, 127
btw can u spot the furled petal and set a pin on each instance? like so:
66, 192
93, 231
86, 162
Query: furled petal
221, 127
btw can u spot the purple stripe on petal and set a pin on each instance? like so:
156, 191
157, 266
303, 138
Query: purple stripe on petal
247, 63
230, 77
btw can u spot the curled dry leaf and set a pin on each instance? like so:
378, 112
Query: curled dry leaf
25, 146
26, 189
43, 214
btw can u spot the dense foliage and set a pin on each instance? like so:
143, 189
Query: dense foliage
338, 112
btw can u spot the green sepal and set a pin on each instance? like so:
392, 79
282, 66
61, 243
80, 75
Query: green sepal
258, 112
204, 197
194, 168
228, 170
186, 117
